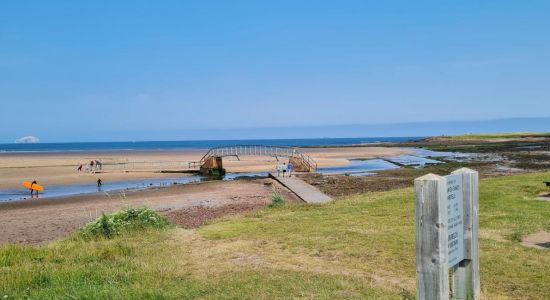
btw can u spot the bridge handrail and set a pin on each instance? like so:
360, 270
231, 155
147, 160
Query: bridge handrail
284, 151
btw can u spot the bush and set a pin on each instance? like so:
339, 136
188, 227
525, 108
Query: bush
277, 198
109, 225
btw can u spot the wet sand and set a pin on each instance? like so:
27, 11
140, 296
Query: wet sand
60, 168
37, 221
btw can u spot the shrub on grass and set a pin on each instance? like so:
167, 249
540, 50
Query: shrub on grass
276, 198
109, 225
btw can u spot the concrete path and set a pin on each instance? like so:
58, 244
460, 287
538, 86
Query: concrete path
304, 191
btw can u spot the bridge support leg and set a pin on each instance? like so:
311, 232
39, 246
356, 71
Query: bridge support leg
213, 166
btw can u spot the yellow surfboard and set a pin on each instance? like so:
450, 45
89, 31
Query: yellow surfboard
36, 187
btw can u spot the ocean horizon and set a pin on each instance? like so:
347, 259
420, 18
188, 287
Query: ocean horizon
198, 144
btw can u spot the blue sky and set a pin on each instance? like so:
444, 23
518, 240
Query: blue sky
93, 70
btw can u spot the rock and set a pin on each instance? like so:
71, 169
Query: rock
27, 140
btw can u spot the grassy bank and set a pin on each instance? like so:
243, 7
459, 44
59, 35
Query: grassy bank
511, 135
358, 247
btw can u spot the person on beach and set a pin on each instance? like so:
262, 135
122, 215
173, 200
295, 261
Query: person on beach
290, 166
98, 164
33, 183
99, 182
284, 169
279, 167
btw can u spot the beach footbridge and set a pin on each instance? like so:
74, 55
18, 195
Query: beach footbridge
211, 162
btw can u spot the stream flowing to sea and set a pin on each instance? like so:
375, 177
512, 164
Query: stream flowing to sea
53, 191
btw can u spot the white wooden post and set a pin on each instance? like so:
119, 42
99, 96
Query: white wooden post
432, 273
466, 275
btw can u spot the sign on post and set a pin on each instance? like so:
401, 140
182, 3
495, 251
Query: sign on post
455, 217
446, 210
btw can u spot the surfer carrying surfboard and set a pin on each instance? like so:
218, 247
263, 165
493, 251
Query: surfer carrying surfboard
33, 183
33, 186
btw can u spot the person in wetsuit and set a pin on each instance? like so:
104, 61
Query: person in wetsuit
33, 183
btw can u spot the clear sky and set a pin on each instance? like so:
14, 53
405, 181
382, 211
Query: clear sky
96, 69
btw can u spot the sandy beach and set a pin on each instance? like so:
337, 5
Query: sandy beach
57, 168
190, 205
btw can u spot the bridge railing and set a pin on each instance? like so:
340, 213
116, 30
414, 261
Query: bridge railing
136, 165
260, 150
310, 162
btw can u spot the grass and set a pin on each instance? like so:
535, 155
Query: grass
156, 265
276, 198
359, 247
127, 219
500, 135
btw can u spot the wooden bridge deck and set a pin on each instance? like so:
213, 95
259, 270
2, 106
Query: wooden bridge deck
304, 191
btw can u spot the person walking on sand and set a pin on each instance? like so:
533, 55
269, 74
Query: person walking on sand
284, 169
98, 164
99, 182
278, 169
290, 166
33, 183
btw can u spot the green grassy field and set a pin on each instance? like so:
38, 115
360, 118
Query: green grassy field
360, 247
510, 135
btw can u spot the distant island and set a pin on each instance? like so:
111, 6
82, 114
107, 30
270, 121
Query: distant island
27, 140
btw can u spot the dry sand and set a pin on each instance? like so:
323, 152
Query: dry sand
60, 168
539, 240
36, 221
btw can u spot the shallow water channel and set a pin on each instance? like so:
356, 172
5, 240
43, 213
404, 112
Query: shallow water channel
52, 191
365, 167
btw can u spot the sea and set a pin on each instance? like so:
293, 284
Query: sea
183, 145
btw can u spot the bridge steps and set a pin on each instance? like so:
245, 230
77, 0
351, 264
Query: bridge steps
304, 191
